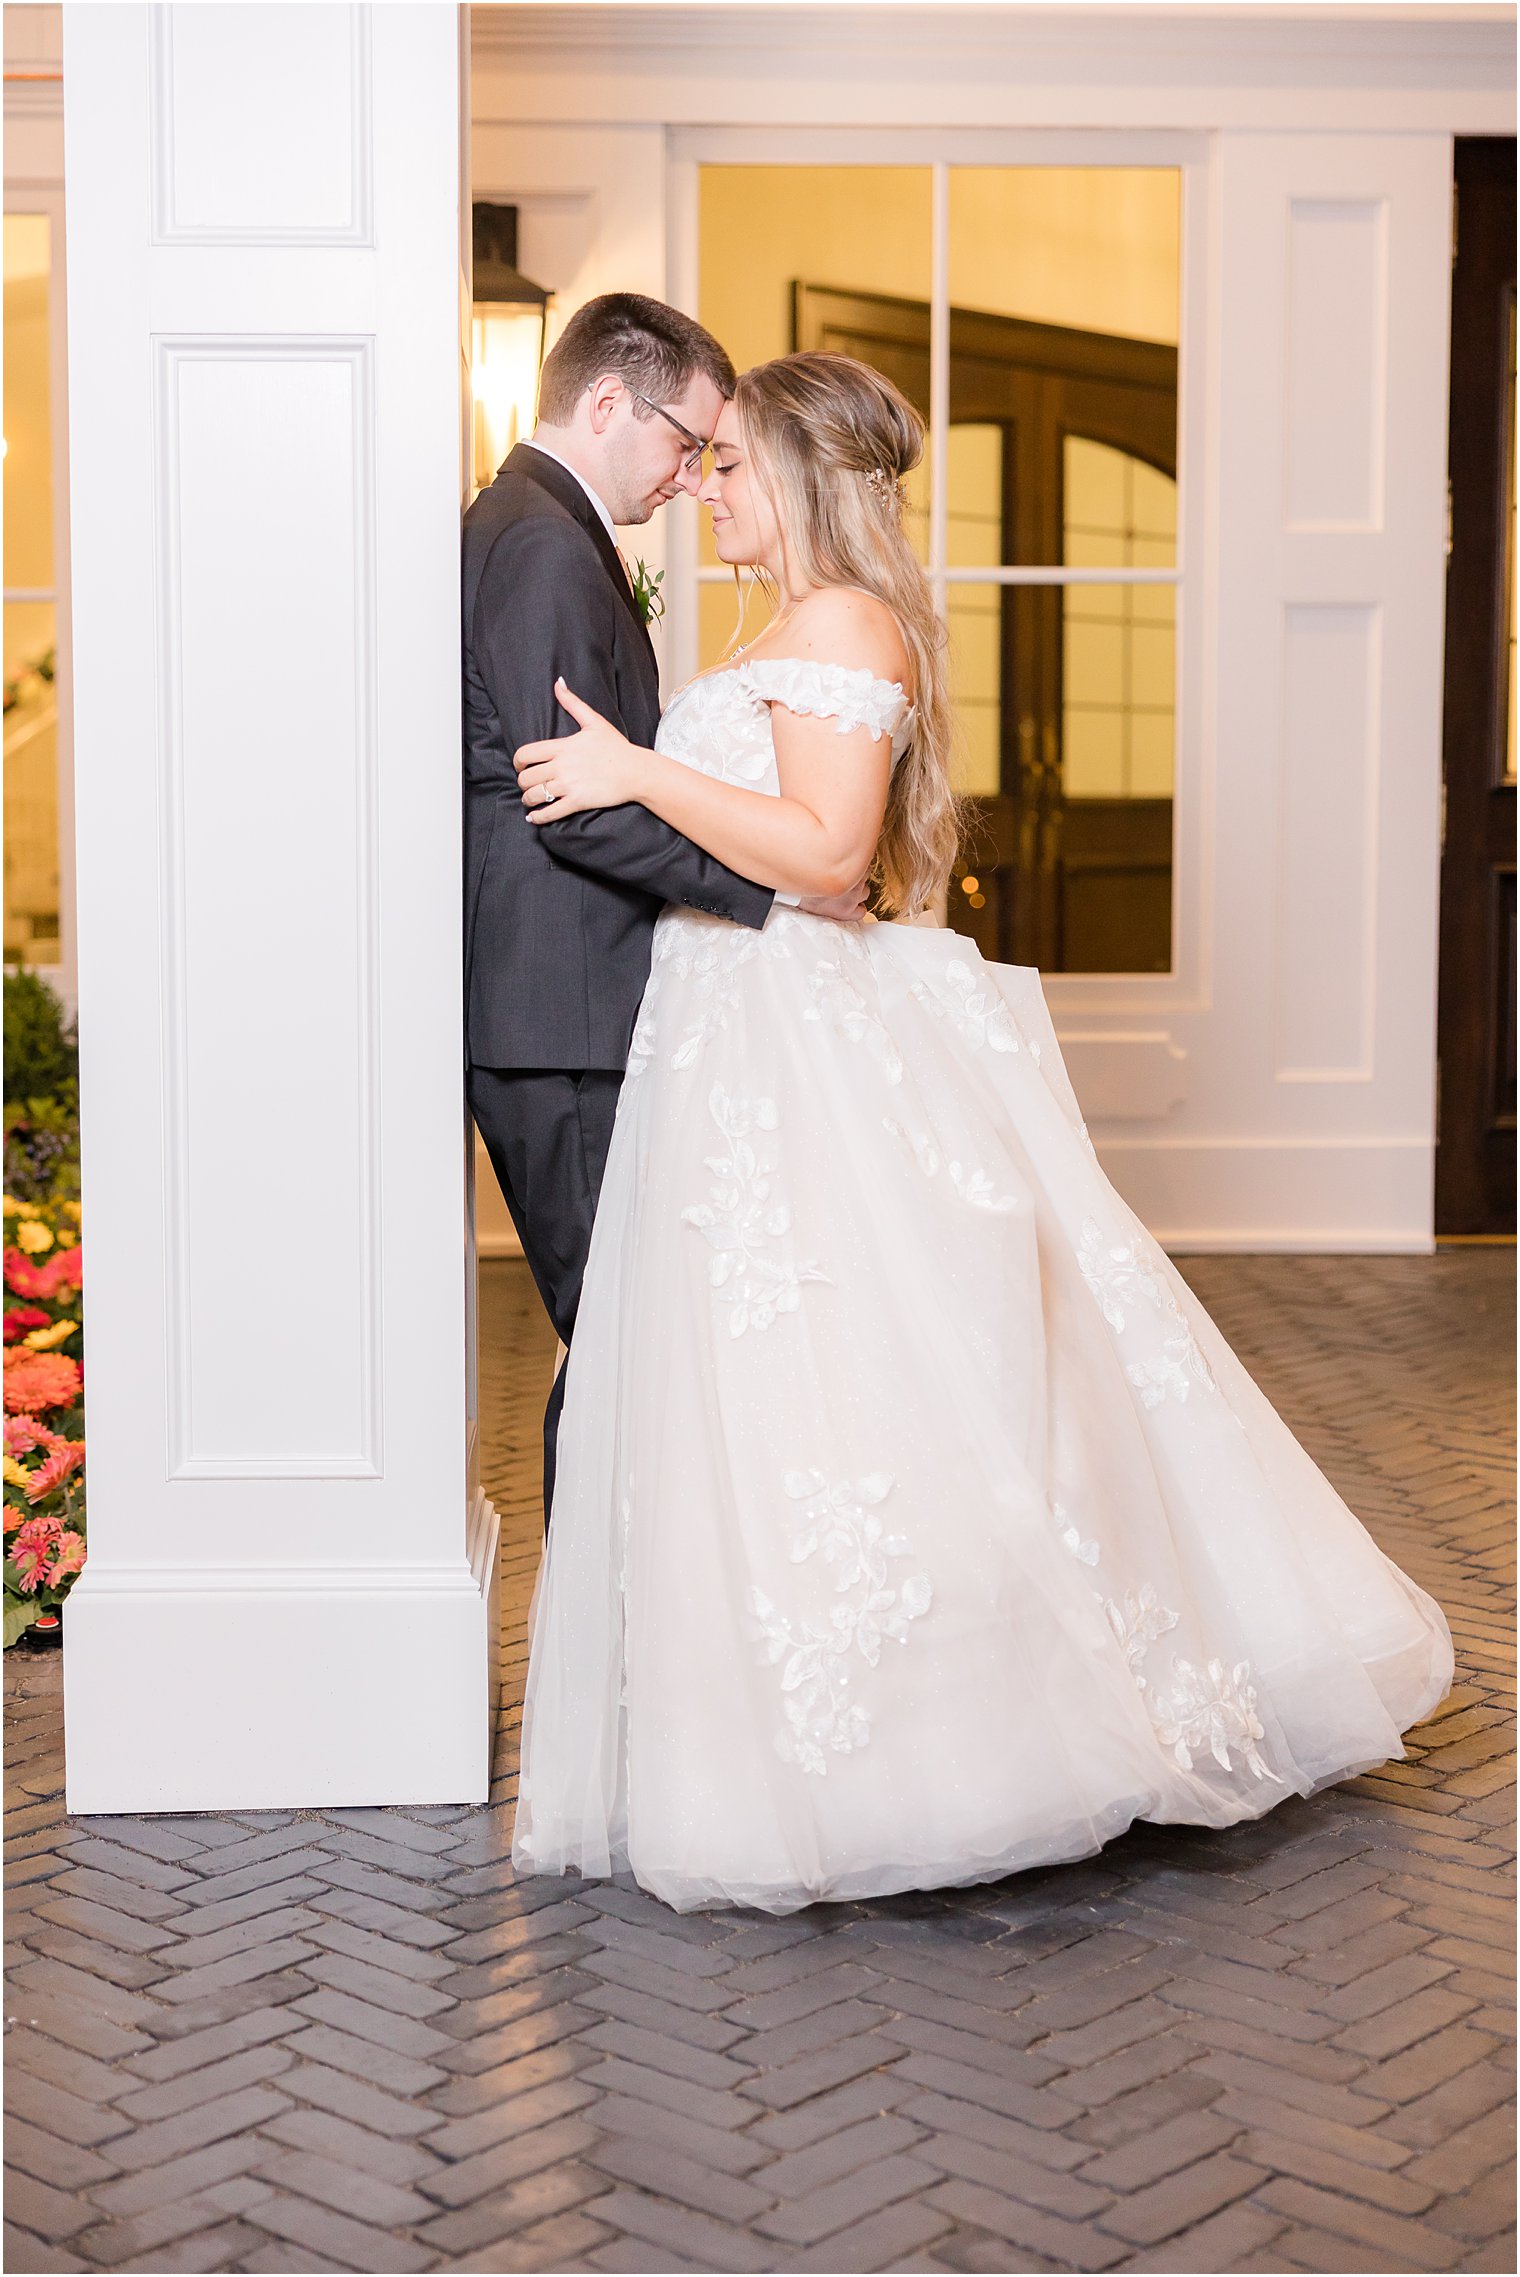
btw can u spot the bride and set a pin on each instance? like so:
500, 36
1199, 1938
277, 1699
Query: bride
913, 1522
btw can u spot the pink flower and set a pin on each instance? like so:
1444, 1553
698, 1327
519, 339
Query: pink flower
71, 1555
65, 1270
22, 1275
66, 1457
22, 1317
35, 1547
22, 1434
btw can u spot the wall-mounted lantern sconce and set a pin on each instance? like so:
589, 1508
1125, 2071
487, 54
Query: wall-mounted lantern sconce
509, 317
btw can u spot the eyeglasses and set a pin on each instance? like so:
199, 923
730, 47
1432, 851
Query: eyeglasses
693, 462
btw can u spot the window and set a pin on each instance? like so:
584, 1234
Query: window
1032, 314
32, 898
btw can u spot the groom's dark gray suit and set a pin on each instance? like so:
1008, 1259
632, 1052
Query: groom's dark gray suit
559, 916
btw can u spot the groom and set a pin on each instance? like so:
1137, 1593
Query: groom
559, 918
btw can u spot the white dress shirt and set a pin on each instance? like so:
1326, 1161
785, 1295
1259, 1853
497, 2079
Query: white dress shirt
549, 452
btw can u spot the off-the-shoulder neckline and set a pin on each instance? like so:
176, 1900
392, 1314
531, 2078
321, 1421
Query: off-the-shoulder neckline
818, 663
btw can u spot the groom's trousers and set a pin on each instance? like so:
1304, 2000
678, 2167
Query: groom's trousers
547, 1131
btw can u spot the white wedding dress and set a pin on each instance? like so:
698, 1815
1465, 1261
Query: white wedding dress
913, 1521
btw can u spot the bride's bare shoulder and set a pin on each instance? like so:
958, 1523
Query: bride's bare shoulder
840, 624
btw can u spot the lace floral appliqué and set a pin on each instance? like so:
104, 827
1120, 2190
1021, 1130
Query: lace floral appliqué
1207, 1710
837, 1000
1117, 1274
708, 954
1121, 1276
745, 1223
978, 1014
974, 1187
837, 1522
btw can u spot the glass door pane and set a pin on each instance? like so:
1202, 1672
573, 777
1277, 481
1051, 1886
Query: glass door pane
1063, 289
852, 243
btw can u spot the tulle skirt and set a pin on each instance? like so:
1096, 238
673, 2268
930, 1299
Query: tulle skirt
914, 1523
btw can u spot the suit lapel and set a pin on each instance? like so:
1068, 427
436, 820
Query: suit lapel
566, 491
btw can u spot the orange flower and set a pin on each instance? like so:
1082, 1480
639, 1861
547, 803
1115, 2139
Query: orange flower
36, 1381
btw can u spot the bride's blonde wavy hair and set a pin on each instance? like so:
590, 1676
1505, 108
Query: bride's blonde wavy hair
830, 441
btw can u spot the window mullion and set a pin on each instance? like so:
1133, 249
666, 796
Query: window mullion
939, 383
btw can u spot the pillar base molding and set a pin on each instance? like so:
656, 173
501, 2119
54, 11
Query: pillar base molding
283, 1687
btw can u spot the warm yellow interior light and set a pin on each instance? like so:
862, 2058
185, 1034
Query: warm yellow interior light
505, 350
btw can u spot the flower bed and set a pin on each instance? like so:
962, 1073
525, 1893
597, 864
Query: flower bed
44, 1409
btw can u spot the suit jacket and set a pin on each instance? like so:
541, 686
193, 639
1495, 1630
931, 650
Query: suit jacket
559, 916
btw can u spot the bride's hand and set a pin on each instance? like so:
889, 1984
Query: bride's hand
572, 773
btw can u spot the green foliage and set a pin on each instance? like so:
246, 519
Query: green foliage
19, 1616
41, 1092
42, 1148
41, 1049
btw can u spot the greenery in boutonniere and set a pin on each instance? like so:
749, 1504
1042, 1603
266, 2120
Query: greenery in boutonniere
647, 597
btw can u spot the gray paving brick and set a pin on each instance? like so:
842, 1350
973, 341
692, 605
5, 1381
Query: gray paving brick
507, 2154
113, 2243
651, 2123
897, 2230
522, 2205
1181, 2142
1282, 2045
403, 1995
1331, 2170
63, 2067
851, 2198
197, 2050
642, 2009
1071, 2245
868, 2096
969, 2083
403, 2035
352, 2244
398, 1957
68, 2116
1182, 2199
254, 2066
348, 2098
216, 2248
387, 2157
1415, 2244
364, 2195
665, 2054
706, 2244
51, 2158
149, 1904
203, 2123
179, 2178
671, 2174
365, 2060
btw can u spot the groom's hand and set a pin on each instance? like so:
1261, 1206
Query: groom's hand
845, 908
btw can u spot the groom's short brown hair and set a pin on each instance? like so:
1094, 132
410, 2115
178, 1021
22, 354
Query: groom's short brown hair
650, 346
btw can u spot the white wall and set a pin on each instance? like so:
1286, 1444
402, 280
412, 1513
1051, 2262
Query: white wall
1275, 1090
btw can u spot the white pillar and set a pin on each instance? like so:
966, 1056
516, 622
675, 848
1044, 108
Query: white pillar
289, 1599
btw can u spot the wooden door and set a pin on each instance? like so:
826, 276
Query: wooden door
1475, 1151
1069, 884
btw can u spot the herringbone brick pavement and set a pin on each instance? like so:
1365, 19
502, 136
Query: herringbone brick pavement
349, 2040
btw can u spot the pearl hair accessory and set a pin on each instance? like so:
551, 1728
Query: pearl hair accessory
884, 484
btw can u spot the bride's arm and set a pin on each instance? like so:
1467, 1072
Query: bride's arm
818, 837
